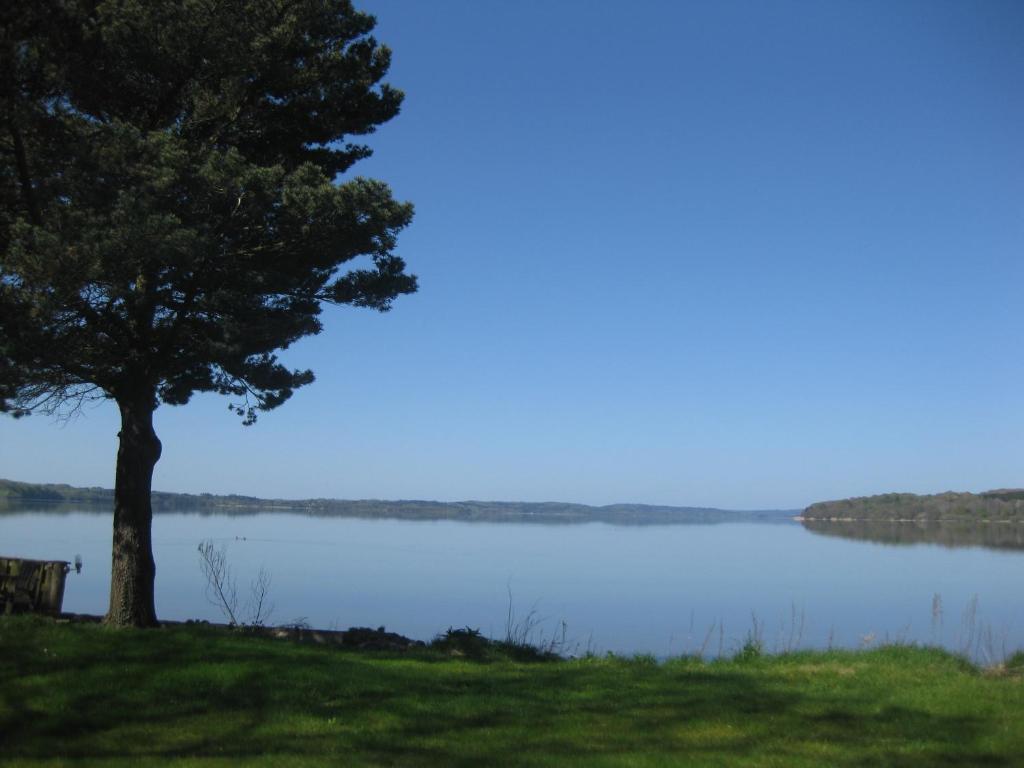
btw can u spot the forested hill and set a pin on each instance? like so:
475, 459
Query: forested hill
1001, 505
62, 497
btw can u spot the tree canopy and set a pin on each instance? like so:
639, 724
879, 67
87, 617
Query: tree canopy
172, 204
169, 215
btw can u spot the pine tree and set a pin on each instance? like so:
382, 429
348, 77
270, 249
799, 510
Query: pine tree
173, 212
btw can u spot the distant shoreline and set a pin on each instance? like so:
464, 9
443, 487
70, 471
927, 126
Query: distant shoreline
63, 496
802, 519
999, 506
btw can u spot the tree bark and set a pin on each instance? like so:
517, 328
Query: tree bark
133, 571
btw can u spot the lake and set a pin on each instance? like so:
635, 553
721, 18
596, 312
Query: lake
659, 589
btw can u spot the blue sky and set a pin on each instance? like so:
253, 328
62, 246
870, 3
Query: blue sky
739, 254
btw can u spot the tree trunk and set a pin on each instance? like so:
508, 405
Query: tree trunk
133, 571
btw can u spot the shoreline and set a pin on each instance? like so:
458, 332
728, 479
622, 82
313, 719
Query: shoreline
986, 521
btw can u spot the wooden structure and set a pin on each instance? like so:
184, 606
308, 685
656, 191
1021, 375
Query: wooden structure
32, 586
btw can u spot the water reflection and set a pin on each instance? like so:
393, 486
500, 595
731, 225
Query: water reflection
663, 589
995, 535
548, 513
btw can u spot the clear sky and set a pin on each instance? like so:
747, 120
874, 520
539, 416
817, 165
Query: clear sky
737, 254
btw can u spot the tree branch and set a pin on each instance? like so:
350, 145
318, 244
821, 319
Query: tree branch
25, 177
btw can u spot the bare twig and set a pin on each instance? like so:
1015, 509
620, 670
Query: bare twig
220, 586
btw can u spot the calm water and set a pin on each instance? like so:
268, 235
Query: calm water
665, 589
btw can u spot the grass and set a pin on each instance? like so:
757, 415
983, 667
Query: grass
194, 695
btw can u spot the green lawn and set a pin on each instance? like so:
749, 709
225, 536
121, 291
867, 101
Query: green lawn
83, 695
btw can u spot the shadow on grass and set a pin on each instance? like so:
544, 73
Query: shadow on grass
93, 694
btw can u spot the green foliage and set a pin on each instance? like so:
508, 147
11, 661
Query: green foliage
992, 506
751, 649
472, 644
463, 642
199, 695
169, 212
11, 490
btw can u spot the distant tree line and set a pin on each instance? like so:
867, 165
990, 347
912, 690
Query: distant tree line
64, 497
1000, 505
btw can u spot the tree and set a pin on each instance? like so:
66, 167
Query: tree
171, 213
